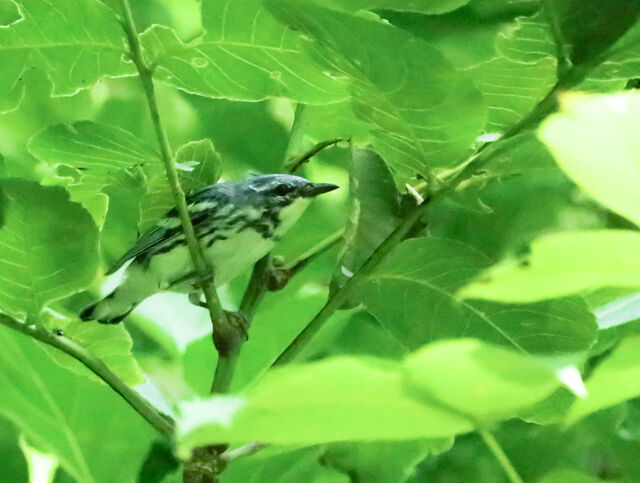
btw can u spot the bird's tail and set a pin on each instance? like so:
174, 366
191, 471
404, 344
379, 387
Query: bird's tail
137, 286
109, 310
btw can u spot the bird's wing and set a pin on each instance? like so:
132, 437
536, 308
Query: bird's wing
152, 238
162, 232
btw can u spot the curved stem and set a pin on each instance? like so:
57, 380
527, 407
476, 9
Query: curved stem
500, 455
98, 367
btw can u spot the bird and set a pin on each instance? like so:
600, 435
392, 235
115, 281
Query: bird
237, 223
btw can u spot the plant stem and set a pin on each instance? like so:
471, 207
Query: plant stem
242, 451
295, 163
226, 337
163, 425
318, 249
500, 455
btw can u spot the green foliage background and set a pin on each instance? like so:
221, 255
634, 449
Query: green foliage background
509, 312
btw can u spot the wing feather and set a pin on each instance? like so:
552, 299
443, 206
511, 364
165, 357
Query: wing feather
169, 226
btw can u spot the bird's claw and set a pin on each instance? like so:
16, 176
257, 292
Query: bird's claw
195, 299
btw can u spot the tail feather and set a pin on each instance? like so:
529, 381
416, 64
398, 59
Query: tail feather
109, 310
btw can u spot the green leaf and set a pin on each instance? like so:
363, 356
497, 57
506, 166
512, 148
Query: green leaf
99, 152
14, 466
413, 293
382, 462
482, 381
569, 475
283, 466
112, 345
374, 212
593, 140
588, 28
621, 65
425, 114
429, 7
562, 264
612, 382
340, 399
69, 416
245, 54
198, 165
48, 247
520, 75
75, 43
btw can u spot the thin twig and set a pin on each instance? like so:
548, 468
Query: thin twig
162, 424
295, 163
242, 451
500, 455
314, 252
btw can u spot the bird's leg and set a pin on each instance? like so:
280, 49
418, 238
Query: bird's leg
237, 319
196, 282
195, 298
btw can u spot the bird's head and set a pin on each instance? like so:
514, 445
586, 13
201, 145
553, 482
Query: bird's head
283, 189
285, 194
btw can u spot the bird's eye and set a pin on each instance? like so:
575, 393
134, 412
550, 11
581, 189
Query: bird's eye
282, 190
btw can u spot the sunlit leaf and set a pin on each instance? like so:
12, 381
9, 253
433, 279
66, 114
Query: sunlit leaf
612, 382
483, 381
593, 140
334, 400
562, 264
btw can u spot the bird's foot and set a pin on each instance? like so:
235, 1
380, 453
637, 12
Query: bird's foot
196, 299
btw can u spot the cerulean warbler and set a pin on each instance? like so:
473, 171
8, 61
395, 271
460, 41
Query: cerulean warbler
236, 223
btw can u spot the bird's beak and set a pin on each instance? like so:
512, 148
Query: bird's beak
318, 189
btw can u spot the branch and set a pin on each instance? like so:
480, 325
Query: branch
242, 451
226, 337
163, 425
500, 455
295, 163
